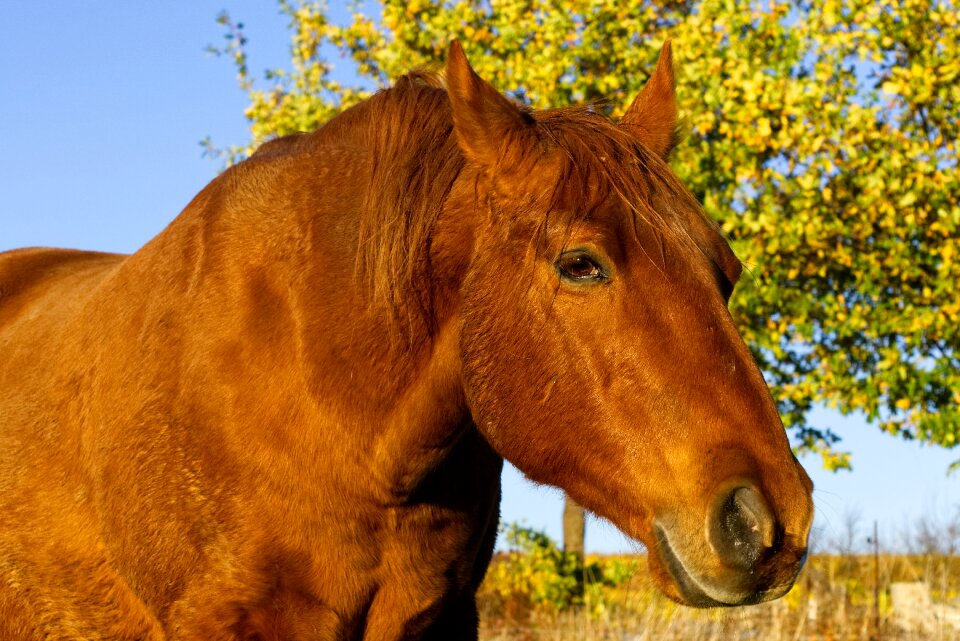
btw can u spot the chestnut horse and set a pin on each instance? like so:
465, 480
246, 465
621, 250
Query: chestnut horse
284, 417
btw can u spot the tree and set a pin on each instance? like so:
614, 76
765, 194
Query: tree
574, 532
822, 136
847, 541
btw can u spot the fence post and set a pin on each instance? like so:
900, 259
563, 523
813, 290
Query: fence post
875, 541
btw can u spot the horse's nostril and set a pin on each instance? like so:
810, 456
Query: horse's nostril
754, 512
741, 527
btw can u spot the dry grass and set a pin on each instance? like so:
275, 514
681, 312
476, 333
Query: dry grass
832, 600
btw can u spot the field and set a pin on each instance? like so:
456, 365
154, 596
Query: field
533, 594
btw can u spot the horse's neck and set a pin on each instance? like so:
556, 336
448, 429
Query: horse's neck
269, 293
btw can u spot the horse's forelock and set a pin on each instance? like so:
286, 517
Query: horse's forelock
601, 162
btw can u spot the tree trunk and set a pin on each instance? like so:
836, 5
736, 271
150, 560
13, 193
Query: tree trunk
574, 525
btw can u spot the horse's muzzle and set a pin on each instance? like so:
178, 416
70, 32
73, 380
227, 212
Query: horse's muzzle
748, 557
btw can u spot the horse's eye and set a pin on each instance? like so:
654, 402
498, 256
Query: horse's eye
579, 267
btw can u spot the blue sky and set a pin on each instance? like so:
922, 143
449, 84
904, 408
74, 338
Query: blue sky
102, 108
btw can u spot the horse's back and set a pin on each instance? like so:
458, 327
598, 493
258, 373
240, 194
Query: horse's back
42, 295
29, 276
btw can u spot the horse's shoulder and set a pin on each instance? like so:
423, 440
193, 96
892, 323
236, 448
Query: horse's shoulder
21, 269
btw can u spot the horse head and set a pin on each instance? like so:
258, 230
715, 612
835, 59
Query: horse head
598, 353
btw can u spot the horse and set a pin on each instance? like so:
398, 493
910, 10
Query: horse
285, 416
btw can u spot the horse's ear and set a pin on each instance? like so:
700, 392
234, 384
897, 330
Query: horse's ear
483, 118
653, 115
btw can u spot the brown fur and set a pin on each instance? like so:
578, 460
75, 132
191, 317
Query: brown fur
283, 418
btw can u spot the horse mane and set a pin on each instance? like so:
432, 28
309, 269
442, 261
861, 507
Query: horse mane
408, 131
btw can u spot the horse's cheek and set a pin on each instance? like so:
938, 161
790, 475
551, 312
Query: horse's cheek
499, 346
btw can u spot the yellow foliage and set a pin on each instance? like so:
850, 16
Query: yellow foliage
830, 177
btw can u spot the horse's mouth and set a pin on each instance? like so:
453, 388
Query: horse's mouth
701, 592
689, 589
